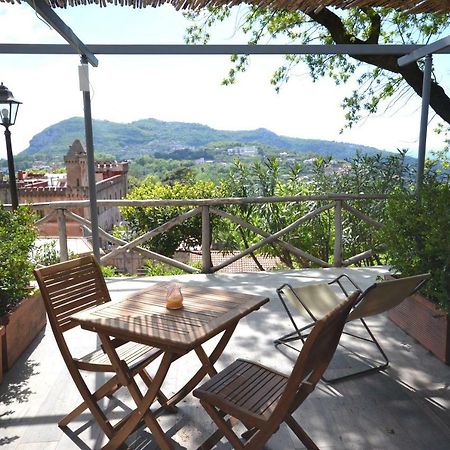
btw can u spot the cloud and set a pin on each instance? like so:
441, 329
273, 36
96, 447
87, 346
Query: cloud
20, 24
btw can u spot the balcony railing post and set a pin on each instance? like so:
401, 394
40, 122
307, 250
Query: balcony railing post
337, 260
63, 251
206, 240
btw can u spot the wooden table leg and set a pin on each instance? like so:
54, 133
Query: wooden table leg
143, 403
207, 366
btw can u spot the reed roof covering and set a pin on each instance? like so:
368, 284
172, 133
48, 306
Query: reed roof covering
410, 6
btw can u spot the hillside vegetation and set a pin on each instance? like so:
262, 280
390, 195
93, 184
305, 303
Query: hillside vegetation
144, 137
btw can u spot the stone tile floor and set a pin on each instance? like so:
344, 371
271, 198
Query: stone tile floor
405, 407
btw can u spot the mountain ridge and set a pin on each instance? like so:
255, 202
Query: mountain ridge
147, 136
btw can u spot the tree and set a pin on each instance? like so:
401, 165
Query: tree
379, 82
138, 221
363, 174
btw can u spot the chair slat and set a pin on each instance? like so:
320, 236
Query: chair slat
130, 352
87, 292
70, 280
74, 308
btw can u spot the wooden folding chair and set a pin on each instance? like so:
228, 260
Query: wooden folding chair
262, 398
73, 286
313, 301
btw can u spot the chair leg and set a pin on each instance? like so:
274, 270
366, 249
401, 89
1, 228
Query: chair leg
162, 399
223, 426
301, 433
108, 388
91, 403
246, 435
375, 368
212, 440
258, 440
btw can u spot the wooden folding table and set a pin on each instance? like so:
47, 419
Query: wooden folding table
143, 317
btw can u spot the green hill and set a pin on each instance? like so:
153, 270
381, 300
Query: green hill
145, 137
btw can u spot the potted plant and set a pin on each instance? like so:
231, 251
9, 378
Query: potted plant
22, 312
417, 234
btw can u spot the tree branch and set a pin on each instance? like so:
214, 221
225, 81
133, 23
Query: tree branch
413, 75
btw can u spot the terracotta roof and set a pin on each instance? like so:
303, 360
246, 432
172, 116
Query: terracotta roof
412, 6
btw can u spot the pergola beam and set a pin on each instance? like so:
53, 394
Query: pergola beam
440, 46
66, 32
427, 51
183, 49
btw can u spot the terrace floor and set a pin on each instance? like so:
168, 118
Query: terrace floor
405, 407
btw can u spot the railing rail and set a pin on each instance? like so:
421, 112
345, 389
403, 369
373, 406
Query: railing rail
206, 208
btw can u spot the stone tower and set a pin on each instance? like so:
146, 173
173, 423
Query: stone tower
76, 166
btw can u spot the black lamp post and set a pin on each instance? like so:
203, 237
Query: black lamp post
8, 113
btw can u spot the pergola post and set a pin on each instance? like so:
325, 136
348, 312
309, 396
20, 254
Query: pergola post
426, 88
84, 87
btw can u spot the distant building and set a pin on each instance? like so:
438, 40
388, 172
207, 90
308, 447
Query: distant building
249, 150
111, 183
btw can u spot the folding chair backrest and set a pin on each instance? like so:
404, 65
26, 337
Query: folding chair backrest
320, 299
382, 296
70, 287
315, 356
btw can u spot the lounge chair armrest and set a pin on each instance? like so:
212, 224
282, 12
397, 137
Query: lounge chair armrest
338, 281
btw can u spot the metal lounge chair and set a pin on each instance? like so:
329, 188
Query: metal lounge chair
262, 398
313, 301
73, 286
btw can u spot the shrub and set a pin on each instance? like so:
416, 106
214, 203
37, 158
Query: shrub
17, 236
418, 238
110, 272
141, 220
153, 269
45, 254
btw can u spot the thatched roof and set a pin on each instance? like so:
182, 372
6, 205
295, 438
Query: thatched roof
411, 6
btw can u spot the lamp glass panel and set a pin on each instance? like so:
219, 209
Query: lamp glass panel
4, 113
14, 108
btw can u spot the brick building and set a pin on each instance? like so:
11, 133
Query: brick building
111, 183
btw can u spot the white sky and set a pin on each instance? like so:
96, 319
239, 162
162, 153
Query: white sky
179, 88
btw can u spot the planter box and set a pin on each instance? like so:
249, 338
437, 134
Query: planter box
421, 319
22, 325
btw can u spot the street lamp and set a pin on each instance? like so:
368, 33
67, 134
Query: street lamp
8, 113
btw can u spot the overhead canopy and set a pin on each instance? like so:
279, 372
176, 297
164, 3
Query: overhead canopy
410, 6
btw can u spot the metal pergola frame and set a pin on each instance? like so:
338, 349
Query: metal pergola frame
407, 54
427, 51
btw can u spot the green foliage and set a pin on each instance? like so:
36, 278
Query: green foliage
363, 174
417, 233
154, 269
141, 220
378, 83
141, 141
17, 236
110, 272
45, 254
104, 156
260, 179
